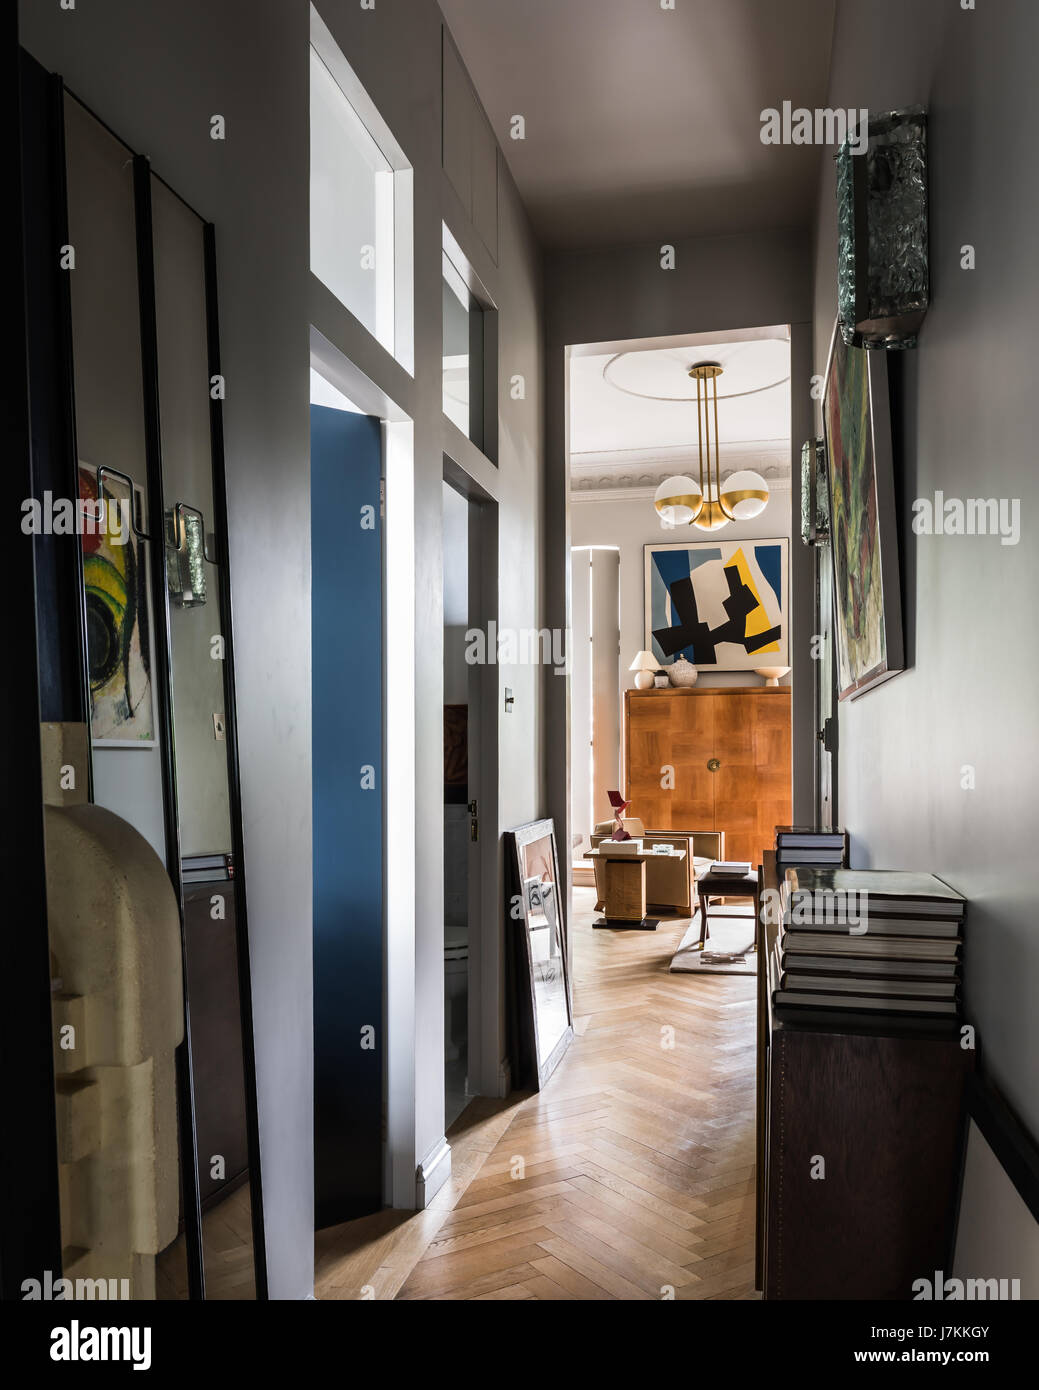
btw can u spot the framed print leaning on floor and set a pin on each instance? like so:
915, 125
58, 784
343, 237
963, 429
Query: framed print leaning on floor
863, 528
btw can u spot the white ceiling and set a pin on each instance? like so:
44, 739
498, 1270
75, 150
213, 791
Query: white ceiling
643, 122
628, 430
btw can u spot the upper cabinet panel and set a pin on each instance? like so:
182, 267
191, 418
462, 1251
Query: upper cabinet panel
459, 118
485, 185
470, 152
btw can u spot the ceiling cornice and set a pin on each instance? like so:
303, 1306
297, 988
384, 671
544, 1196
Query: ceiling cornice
636, 473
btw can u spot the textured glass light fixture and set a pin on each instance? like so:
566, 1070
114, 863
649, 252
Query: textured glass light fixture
745, 493
678, 500
883, 286
815, 503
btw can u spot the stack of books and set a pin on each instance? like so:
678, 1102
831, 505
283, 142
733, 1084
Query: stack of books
879, 941
803, 844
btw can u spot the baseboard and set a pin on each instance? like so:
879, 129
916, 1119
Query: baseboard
432, 1173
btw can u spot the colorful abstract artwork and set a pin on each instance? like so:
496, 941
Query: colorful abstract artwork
719, 604
122, 709
856, 421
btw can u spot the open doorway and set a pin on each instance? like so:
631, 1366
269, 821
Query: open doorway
461, 811
473, 1025
681, 527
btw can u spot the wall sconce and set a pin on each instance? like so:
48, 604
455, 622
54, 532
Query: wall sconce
815, 498
883, 286
186, 556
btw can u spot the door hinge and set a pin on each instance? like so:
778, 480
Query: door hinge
382, 497
474, 820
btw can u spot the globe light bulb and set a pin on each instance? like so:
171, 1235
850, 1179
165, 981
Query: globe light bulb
744, 494
678, 500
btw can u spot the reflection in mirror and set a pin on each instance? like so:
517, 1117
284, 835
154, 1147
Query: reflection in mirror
118, 965
210, 877
541, 1005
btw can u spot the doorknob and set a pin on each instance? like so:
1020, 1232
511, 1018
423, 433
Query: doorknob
713, 764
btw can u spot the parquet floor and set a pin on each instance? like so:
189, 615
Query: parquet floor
631, 1176
227, 1246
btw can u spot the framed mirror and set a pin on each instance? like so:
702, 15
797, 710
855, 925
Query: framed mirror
541, 1006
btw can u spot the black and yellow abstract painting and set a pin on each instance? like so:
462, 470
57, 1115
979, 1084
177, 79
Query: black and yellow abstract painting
118, 647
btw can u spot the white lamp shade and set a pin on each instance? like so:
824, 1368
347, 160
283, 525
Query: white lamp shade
744, 494
645, 661
678, 500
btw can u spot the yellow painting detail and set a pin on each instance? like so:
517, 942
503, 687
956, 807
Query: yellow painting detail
757, 620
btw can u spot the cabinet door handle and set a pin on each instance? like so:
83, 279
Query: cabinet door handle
713, 764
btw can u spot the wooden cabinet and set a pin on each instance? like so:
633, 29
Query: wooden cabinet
730, 751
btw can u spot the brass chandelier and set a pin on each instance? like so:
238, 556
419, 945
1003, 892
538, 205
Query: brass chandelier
710, 504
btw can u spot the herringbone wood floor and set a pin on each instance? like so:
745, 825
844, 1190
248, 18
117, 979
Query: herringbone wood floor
631, 1176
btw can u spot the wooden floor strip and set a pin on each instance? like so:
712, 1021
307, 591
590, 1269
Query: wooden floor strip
630, 1177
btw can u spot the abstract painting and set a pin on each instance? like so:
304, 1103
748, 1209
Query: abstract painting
720, 604
863, 540
122, 710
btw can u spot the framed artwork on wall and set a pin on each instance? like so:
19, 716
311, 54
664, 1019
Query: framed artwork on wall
863, 529
118, 619
720, 604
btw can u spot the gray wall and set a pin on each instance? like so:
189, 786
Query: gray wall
719, 283
156, 73
969, 696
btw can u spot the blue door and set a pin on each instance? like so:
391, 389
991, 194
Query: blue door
346, 630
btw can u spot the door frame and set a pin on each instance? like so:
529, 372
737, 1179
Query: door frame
488, 1071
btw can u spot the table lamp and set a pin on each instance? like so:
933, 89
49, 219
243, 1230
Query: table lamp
645, 667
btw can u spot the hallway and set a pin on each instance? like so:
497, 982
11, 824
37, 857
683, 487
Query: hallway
637, 1158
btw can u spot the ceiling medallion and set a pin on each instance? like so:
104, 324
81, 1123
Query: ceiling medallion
710, 504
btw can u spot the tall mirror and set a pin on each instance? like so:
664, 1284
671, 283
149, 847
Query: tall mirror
541, 1006
211, 875
155, 1091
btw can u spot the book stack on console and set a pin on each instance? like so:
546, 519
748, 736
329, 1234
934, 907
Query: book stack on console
803, 844
868, 941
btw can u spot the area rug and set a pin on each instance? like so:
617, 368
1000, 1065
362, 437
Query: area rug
732, 934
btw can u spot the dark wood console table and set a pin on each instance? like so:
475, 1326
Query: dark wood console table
880, 1102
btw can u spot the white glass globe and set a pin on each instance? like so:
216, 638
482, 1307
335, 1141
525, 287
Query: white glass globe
678, 500
744, 494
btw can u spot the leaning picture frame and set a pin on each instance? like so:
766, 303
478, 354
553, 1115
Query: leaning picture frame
540, 1005
863, 525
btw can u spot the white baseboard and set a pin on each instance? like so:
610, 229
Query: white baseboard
432, 1173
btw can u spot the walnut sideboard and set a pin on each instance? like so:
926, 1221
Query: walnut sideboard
711, 759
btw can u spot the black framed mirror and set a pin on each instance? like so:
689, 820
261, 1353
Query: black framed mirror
541, 1008
155, 1104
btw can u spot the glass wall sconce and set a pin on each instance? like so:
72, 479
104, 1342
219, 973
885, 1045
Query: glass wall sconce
883, 286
